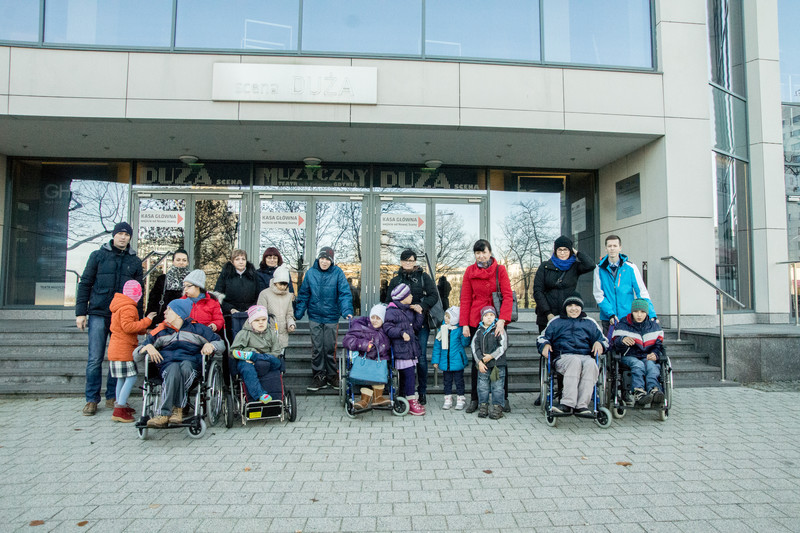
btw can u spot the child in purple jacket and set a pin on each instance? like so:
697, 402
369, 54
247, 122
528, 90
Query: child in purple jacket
401, 326
367, 337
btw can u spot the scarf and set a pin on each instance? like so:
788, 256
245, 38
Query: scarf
175, 276
443, 335
563, 264
487, 264
195, 300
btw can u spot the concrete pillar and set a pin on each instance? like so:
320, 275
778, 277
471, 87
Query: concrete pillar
768, 212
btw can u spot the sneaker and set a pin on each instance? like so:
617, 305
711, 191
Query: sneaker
415, 408
561, 409
242, 355
265, 398
448, 402
90, 409
160, 421
507, 406
472, 407
121, 414
317, 383
657, 397
496, 412
460, 403
584, 412
333, 382
483, 410
627, 398
422, 398
640, 397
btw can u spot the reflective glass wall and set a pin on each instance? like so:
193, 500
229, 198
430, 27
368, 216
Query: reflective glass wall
612, 33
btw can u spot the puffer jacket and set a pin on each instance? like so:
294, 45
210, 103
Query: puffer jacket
325, 294
400, 318
361, 334
485, 342
614, 294
241, 291
207, 311
279, 304
252, 341
571, 335
551, 286
125, 328
423, 289
454, 357
106, 272
181, 344
647, 336
477, 289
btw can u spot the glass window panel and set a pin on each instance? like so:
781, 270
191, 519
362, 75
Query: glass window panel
791, 131
480, 29
19, 20
726, 44
109, 22
239, 24
457, 229
792, 177
730, 124
363, 26
612, 32
789, 43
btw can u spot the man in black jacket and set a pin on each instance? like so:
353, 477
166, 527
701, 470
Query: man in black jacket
106, 272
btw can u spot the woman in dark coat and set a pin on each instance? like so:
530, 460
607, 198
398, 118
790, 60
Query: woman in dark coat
240, 284
270, 260
168, 287
557, 278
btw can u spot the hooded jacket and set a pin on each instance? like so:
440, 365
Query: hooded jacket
106, 272
571, 336
400, 318
325, 294
361, 334
249, 340
647, 336
453, 357
485, 342
551, 286
614, 293
207, 310
241, 291
279, 304
477, 289
125, 328
181, 344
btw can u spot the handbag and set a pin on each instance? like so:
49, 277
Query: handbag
497, 298
435, 313
364, 370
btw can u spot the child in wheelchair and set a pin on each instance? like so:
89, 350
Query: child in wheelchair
574, 340
251, 347
366, 336
640, 342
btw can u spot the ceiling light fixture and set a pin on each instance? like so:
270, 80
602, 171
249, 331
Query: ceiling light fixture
312, 163
431, 165
188, 159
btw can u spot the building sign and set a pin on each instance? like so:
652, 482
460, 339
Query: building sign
152, 218
270, 220
49, 293
333, 84
415, 178
629, 199
312, 177
578, 216
177, 174
396, 222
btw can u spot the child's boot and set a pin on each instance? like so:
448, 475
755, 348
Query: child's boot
177, 415
460, 403
265, 398
366, 399
378, 399
121, 414
483, 410
497, 412
239, 354
415, 408
448, 402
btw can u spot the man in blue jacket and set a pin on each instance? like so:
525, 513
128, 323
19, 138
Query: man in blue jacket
325, 294
617, 282
106, 272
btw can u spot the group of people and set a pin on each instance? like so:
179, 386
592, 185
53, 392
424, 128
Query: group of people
185, 321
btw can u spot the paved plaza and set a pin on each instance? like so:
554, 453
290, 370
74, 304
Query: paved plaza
727, 460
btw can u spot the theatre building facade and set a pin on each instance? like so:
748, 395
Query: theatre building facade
372, 127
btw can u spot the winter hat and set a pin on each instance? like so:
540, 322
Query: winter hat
327, 253
181, 307
488, 309
573, 299
407, 254
563, 242
640, 304
256, 312
132, 289
196, 278
455, 313
400, 292
281, 275
122, 226
378, 310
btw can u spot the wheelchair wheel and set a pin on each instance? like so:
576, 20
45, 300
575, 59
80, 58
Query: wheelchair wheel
603, 417
400, 407
228, 409
349, 409
197, 431
142, 433
215, 395
291, 406
550, 419
617, 412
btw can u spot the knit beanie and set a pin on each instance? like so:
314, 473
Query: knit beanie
181, 307
132, 289
256, 312
563, 242
488, 309
640, 304
378, 310
122, 227
281, 275
327, 253
196, 278
573, 299
407, 254
273, 251
400, 292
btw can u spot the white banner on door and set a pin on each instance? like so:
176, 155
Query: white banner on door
393, 222
271, 220
161, 219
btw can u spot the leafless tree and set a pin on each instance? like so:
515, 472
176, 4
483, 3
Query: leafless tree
94, 208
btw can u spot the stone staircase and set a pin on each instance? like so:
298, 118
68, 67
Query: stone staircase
41, 357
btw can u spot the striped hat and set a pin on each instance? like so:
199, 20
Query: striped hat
400, 292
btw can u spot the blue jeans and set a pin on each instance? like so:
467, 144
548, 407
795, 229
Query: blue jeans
485, 386
250, 374
422, 365
643, 372
456, 376
99, 330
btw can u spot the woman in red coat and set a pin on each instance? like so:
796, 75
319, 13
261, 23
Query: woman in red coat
205, 306
480, 281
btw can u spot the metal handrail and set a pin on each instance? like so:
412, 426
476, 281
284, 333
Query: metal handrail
163, 256
720, 294
793, 287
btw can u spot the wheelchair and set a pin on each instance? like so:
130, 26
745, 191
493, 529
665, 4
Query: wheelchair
619, 385
205, 398
551, 383
238, 402
350, 389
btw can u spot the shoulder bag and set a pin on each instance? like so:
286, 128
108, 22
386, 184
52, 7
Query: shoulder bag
497, 298
367, 371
